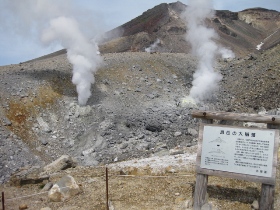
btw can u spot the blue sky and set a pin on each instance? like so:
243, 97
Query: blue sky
17, 44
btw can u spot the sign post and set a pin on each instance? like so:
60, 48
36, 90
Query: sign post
237, 152
201, 183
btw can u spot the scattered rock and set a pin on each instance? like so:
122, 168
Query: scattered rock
88, 151
44, 125
6, 121
23, 206
111, 207
161, 146
137, 67
154, 127
192, 132
47, 187
188, 204
255, 205
176, 151
82, 111
124, 145
43, 140
61, 163
177, 133
206, 206
65, 188
170, 169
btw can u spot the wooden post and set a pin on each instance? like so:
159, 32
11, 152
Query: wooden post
267, 197
3, 200
107, 190
200, 191
267, 191
201, 183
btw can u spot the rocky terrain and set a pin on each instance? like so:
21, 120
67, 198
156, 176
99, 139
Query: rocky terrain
239, 31
138, 109
135, 109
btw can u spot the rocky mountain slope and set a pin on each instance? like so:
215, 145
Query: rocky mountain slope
257, 77
239, 31
139, 106
138, 109
133, 107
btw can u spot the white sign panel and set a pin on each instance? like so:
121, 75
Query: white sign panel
238, 150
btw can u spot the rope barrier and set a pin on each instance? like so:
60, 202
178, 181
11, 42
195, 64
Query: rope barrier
138, 176
26, 196
147, 176
143, 176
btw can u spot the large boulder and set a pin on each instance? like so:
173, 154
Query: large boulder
65, 188
61, 163
192, 132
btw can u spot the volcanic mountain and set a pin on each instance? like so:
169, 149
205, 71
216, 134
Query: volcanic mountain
138, 109
239, 31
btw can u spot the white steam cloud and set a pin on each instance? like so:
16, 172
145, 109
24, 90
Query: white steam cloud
81, 52
58, 21
201, 38
153, 46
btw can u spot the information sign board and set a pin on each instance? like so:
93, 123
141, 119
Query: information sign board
238, 150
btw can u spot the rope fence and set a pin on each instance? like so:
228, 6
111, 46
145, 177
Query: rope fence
4, 199
26, 196
147, 176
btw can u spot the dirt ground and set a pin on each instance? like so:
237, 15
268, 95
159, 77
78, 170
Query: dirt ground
140, 185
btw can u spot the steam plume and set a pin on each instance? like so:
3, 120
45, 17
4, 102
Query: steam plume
205, 79
56, 21
81, 52
153, 46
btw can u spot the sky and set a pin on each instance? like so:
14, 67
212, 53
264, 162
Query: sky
20, 39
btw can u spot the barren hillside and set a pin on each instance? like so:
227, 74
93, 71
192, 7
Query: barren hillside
138, 109
239, 31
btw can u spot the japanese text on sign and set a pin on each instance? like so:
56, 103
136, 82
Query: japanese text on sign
238, 150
